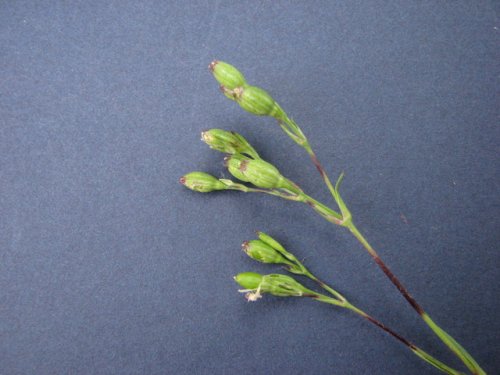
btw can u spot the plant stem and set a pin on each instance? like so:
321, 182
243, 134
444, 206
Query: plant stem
415, 349
344, 303
298, 136
354, 230
326, 287
293, 130
325, 211
454, 346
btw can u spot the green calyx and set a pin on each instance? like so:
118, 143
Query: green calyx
227, 75
262, 252
236, 165
201, 182
228, 142
283, 286
276, 284
294, 265
258, 172
271, 242
258, 102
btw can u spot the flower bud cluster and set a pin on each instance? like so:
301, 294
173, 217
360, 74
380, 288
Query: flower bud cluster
251, 98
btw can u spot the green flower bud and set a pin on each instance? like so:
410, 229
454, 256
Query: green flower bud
283, 286
227, 75
262, 252
248, 280
228, 142
201, 182
294, 265
258, 102
235, 164
276, 284
264, 175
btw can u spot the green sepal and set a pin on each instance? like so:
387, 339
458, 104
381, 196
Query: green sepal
271, 242
275, 245
346, 214
258, 172
283, 286
294, 265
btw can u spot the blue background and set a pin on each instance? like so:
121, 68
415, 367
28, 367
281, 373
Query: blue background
109, 266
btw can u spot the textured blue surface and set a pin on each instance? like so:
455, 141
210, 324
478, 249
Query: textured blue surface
109, 266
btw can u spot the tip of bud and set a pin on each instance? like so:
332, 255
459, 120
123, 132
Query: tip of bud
244, 246
204, 135
211, 66
182, 180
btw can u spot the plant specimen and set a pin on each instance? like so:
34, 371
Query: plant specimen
244, 163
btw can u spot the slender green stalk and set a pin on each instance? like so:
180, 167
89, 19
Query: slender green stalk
333, 217
326, 287
293, 130
453, 345
415, 349
344, 303
458, 349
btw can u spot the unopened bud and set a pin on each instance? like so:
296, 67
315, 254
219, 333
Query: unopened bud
279, 285
248, 280
258, 102
262, 252
227, 75
228, 142
283, 286
236, 164
258, 172
201, 182
291, 260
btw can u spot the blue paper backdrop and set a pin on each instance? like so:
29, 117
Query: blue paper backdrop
109, 266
